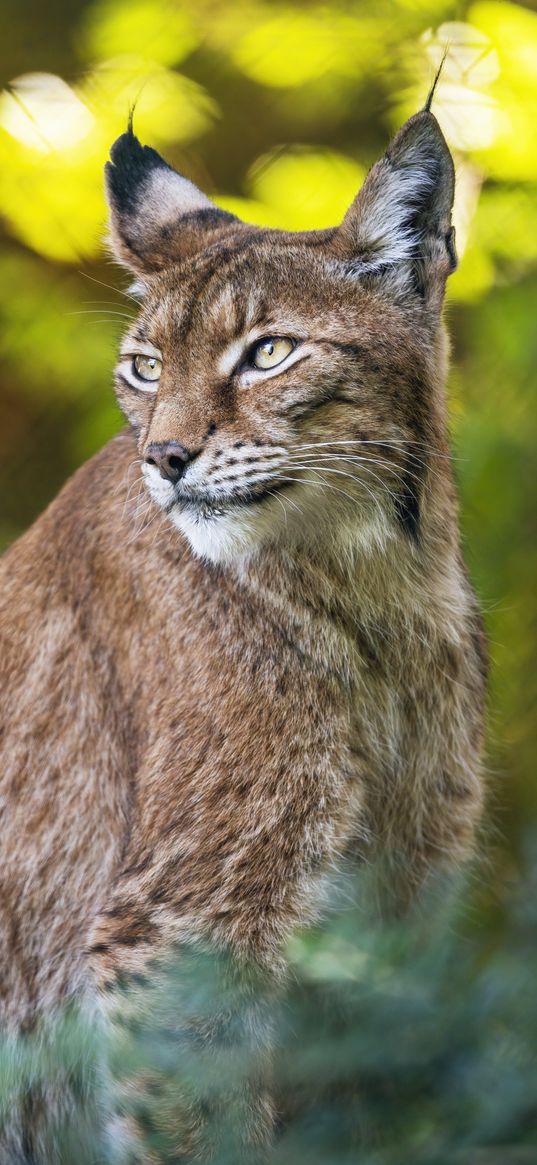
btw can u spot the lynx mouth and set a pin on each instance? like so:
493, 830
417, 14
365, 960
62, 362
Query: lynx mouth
205, 506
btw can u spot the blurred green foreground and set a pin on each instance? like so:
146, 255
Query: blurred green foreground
397, 1049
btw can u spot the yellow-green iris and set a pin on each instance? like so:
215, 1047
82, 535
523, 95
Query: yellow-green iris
147, 367
270, 352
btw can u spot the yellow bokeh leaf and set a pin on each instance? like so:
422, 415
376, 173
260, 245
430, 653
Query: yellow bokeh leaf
169, 106
293, 47
471, 59
248, 210
306, 189
160, 30
464, 100
43, 112
473, 277
513, 31
54, 141
505, 223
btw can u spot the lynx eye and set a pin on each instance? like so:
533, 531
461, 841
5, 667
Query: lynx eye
271, 351
147, 367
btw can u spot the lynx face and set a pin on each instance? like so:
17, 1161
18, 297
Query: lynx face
279, 383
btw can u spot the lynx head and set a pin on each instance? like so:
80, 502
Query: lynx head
285, 386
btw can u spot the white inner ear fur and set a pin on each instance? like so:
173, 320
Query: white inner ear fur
379, 217
169, 194
383, 222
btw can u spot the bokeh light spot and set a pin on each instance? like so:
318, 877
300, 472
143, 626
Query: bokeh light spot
42, 112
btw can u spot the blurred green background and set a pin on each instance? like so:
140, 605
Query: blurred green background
277, 111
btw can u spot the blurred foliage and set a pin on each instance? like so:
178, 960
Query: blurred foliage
277, 111
410, 1044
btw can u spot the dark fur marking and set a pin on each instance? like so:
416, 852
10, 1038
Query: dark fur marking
159, 894
367, 649
129, 940
121, 911
350, 349
407, 508
127, 171
137, 867
209, 216
30, 1103
451, 249
217, 259
250, 472
479, 641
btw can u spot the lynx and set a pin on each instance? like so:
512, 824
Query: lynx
283, 664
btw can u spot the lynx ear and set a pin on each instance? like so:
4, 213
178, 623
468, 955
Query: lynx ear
157, 217
400, 222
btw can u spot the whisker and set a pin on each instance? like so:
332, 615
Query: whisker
416, 461
107, 303
401, 443
402, 476
95, 311
352, 477
129, 498
365, 462
273, 494
290, 501
124, 481
336, 489
142, 504
110, 287
144, 527
123, 502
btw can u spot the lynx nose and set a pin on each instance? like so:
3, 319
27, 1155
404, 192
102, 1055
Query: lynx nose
170, 457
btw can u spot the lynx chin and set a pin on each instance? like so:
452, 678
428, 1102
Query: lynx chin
241, 644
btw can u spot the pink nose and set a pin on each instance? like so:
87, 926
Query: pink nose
170, 457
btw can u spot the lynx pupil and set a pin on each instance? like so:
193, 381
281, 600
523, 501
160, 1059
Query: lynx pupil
271, 351
147, 367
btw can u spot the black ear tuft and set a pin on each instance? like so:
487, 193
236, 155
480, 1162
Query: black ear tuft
157, 217
432, 90
130, 167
